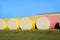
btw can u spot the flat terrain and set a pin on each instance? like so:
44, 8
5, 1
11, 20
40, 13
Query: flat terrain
29, 34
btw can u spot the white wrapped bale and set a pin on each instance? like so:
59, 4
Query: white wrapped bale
42, 23
13, 24
2, 24
26, 23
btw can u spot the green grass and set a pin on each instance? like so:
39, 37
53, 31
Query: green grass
29, 34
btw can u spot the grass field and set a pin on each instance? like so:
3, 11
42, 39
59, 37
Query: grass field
29, 34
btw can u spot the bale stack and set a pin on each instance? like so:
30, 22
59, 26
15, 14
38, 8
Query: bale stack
41, 21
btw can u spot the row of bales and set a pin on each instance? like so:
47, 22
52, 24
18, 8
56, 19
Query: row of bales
41, 21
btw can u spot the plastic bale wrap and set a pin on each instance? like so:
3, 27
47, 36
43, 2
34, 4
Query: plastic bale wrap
3, 24
33, 19
13, 23
53, 20
42, 22
27, 23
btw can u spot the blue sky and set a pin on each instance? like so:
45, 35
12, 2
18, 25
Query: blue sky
21, 8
